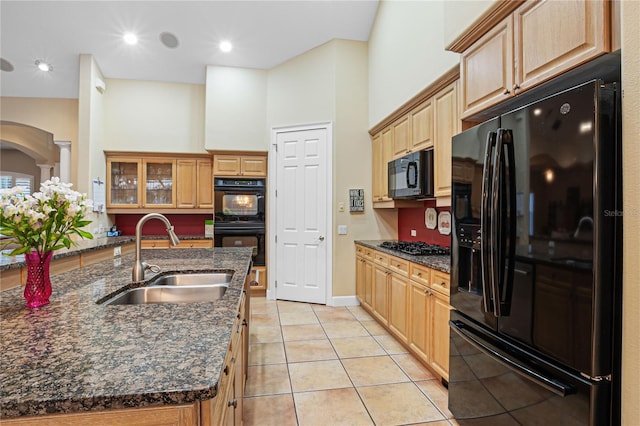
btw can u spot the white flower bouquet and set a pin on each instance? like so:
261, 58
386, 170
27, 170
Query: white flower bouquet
44, 221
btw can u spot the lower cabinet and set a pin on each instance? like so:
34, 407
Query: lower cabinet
411, 301
164, 243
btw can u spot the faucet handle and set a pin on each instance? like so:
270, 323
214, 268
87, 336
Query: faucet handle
152, 268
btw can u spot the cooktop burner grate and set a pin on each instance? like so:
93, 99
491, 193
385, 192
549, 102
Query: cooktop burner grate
415, 248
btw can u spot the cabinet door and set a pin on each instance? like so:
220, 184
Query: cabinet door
486, 69
419, 320
186, 183
447, 124
439, 342
226, 165
253, 166
159, 178
360, 276
400, 137
398, 305
421, 119
123, 178
380, 286
376, 167
368, 284
555, 36
387, 155
204, 183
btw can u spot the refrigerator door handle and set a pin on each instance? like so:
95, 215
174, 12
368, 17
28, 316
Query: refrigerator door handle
509, 228
496, 253
497, 354
485, 214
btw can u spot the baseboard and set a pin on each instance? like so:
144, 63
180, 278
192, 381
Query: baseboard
271, 295
343, 301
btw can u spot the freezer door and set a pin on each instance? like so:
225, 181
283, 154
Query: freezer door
494, 383
467, 171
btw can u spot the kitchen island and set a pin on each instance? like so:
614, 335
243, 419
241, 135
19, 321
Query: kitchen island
78, 355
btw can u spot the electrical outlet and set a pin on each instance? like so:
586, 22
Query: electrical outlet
117, 251
117, 262
342, 229
413, 233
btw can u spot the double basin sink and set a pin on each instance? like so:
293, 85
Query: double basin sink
177, 288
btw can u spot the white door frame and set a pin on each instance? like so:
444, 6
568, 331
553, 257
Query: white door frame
271, 205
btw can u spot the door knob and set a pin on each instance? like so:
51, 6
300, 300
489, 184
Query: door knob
321, 238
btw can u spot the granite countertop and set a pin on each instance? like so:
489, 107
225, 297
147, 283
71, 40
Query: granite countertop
77, 355
438, 262
84, 246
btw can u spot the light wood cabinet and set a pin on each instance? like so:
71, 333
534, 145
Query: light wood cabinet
401, 142
447, 124
178, 415
164, 244
194, 182
421, 119
411, 301
420, 320
398, 305
527, 48
431, 123
439, 334
227, 165
158, 183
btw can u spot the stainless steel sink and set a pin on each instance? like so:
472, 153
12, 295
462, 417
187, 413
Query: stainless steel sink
200, 279
170, 294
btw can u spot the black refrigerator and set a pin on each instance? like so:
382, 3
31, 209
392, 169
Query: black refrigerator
535, 272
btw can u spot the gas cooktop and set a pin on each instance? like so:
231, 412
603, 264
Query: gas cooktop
415, 248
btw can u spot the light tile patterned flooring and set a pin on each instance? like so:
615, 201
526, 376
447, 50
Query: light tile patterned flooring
328, 366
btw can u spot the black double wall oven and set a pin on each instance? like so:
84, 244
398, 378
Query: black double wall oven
240, 215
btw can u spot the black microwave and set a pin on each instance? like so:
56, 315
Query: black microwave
411, 177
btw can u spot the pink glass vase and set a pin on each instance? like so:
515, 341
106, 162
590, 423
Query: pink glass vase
37, 289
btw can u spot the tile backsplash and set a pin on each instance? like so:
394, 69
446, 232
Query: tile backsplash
409, 219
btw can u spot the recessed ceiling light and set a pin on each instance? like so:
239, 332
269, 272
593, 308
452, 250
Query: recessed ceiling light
43, 66
5, 65
169, 40
130, 38
225, 46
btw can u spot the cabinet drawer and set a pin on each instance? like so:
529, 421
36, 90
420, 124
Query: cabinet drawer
420, 274
360, 250
154, 244
440, 282
195, 244
380, 258
398, 265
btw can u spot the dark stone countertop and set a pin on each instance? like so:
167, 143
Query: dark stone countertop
77, 355
84, 246
438, 262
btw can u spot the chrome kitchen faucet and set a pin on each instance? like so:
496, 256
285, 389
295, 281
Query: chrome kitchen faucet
139, 267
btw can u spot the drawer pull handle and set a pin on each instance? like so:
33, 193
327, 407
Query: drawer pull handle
443, 284
244, 322
419, 274
226, 370
233, 403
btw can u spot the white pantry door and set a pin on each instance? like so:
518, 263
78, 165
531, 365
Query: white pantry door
301, 215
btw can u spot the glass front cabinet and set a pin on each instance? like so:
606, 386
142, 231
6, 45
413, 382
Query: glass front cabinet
140, 183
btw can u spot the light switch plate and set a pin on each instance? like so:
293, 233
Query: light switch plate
342, 229
413, 233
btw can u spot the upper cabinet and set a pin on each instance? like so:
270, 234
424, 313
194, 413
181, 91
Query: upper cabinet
534, 43
227, 165
428, 120
138, 182
447, 124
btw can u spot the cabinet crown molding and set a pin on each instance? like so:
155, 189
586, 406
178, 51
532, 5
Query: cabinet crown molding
485, 22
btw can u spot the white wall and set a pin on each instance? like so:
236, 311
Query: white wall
329, 83
302, 90
460, 14
631, 177
406, 54
153, 116
235, 111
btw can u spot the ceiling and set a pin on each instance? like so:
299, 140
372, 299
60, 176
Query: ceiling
264, 34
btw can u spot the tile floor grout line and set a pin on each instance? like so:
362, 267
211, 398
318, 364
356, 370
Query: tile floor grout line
286, 360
